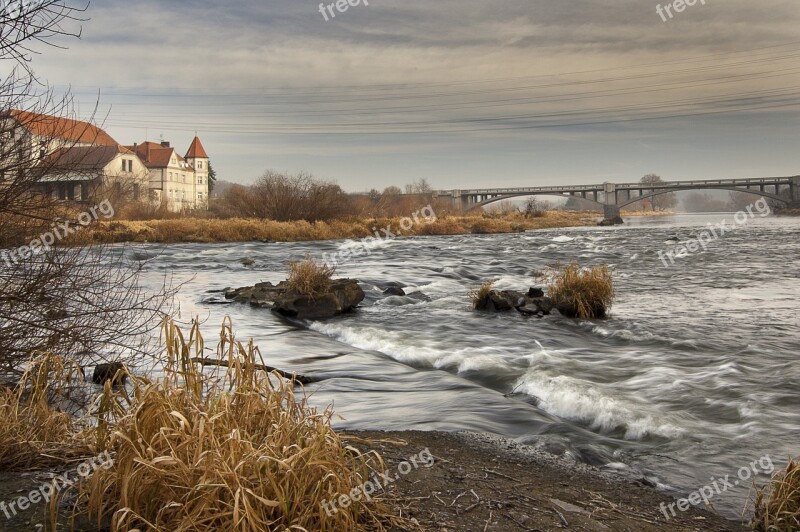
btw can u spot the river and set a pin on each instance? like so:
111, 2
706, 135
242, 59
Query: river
695, 374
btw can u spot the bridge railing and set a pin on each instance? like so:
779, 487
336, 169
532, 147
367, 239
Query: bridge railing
620, 186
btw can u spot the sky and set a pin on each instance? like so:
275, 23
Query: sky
464, 93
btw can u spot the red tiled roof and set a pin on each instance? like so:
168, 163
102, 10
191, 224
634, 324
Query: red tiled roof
196, 150
154, 155
62, 128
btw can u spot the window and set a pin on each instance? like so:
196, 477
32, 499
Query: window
130, 165
70, 191
170, 176
84, 191
199, 164
183, 195
184, 178
199, 180
62, 191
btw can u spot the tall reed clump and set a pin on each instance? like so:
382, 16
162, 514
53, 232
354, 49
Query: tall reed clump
777, 505
308, 277
234, 449
34, 432
581, 292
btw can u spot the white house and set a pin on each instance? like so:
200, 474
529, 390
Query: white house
181, 182
78, 161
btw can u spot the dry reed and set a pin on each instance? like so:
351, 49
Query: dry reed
234, 449
34, 432
584, 293
777, 505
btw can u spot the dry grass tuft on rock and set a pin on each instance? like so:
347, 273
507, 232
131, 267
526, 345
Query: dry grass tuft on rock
777, 505
480, 295
235, 450
308, 277
581, 292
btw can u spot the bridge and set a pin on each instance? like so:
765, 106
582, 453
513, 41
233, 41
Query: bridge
615, 196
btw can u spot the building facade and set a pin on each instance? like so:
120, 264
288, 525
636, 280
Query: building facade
181, 183
77, 161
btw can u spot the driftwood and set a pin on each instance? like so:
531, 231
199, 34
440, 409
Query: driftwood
302, 379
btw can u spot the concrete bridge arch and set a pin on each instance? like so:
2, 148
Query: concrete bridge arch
614, 196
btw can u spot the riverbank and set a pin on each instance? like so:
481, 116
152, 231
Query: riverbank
475, 482
483, 482
200, 230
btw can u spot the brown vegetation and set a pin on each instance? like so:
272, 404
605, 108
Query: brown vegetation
583, 293
777, 505
207, 230
308, 277
232, 448
235, 450
480, 295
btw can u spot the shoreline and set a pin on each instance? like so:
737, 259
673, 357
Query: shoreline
480, 481
476, 481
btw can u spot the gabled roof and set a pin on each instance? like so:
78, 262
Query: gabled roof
81, 158
196, 150
154, 155
62, 128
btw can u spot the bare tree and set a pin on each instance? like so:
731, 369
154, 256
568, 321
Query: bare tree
285, 197
83, 303
660, 202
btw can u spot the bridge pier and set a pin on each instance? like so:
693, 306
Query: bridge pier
794, 188
610, 212
610, 203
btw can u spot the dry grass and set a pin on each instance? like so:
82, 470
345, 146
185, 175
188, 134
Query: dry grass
205, 230
777, 505
232, 450
308, 277
34, 432
583, 293
480, 295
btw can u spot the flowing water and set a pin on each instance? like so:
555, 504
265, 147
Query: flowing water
694, 376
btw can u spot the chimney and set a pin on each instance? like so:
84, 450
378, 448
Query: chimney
165, 144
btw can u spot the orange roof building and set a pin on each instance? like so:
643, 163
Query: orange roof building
73, 154
180, 182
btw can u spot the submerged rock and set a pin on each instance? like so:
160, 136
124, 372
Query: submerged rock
394, 291
508, 300
616, 220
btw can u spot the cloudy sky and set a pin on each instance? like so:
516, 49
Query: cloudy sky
465, 93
